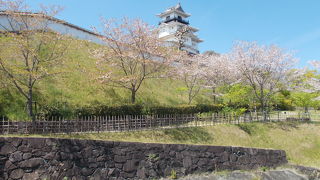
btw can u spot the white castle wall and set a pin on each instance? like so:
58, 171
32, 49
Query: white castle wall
63, 28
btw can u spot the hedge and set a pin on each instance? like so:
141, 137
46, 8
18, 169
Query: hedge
110, 110
104, 110
200, 108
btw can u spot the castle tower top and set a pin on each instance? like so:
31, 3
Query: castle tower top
177, 9
172, 21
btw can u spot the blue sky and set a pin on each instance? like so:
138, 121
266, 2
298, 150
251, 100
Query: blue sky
291, 24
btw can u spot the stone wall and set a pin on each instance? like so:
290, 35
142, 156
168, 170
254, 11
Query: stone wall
46, 158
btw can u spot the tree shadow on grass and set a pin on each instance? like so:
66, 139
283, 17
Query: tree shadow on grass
196, 135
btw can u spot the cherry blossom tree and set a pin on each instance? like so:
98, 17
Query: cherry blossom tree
315, 81
192, 70
204, 71
29, 50
263, 68
133, 53
316, 64
180, 36
304, 84
219, 71
304, 79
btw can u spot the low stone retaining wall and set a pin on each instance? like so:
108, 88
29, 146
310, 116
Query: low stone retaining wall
48, 158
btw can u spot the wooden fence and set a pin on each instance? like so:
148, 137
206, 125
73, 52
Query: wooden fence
137, 122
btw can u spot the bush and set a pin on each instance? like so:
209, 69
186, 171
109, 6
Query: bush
65, 110
103, 110
200, 108
235, 111
56, 110
171, 110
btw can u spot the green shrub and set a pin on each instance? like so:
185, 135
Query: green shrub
103, 110
65, 110
171, 110
200, 108
234, 111
56, 110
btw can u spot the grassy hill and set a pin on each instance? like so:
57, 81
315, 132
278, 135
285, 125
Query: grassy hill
301, 141
77, 87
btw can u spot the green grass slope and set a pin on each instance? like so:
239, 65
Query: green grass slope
77, 86
300, 141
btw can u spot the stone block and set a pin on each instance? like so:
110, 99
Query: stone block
36, 143
16, 157
33, 176
16, 174
49, 156
8, 166
26, 156
141, 173
127, 175
16, 142
187, 162
31, 163
216, 149
120, 159
25, 149
86, 171
131, 165
118, 165
7, 149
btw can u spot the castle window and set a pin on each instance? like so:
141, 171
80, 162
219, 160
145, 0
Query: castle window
168, 17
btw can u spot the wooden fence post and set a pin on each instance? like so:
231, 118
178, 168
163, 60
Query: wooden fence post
107, 120
8, 122
99, 120
2, 128
196, 119
127, 122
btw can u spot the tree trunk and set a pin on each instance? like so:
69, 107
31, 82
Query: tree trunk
263, 103
214, 95
190, 97
263, 110
29, 105
133, 96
